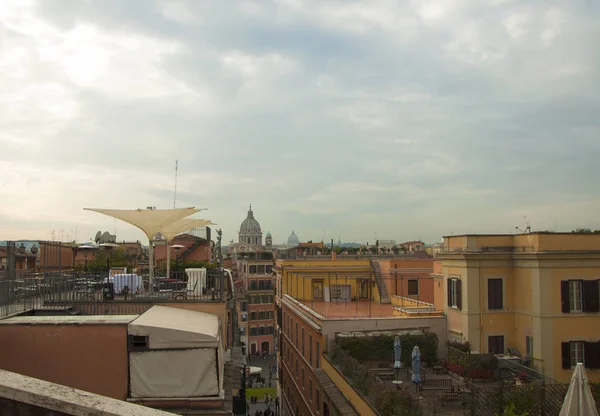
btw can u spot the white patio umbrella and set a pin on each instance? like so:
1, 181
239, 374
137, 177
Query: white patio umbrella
579, 400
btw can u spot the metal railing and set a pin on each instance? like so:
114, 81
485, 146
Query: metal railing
92, 293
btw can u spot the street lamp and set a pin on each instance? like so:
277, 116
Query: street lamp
177, 247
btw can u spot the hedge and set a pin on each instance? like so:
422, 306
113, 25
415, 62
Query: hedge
381, 347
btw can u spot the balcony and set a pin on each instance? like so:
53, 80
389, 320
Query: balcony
92, 293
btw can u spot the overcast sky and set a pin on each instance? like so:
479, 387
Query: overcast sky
373, 119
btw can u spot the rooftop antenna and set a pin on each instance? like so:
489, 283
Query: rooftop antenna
527, 228
175, 195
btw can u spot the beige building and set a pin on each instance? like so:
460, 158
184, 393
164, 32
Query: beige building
535, 293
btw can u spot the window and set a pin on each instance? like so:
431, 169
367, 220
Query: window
575, 300
455, 293
580, 296
317, 399
253, 316
296, 334
310, 389
302, 378
529, 346
310, 342
296, 369
242, 330
303, 342
253, 285
413, 287
587, 353
244, 306
496, 344
317, 355
495, 295
252, 269
138, 342
269, 269
576, 353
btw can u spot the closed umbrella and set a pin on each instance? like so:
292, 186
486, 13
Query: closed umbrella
416, 365
579, 400
397, 354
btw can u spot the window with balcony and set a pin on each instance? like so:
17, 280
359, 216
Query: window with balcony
253, 285
252, 269
495, 294
580, 296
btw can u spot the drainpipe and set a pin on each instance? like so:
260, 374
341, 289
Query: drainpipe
480, 311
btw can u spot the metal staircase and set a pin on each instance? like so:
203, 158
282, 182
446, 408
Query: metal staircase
191, 249
383, 293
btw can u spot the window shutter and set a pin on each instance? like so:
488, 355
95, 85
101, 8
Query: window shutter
449, 285
566, 355
590, 296
459, 294
592, 354
564, 298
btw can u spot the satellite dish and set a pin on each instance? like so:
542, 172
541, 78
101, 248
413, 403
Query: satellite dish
98, 236
105, 238
113, 238
34, 250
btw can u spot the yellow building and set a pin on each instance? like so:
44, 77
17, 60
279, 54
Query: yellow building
318, 300
537, 293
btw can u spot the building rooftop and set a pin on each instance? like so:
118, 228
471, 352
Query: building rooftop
367, 309
32, 396
69, 320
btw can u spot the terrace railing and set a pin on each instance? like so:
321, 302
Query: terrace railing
78, 290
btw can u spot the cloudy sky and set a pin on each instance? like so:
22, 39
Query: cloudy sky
365, 119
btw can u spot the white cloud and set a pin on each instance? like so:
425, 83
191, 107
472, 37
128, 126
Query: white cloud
376, 117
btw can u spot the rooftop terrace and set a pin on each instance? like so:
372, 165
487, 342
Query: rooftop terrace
399, 307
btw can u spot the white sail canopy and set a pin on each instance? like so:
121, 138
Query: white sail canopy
179, 226
150, 221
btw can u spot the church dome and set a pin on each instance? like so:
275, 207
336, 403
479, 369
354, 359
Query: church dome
250, 225
250, 231
293, 239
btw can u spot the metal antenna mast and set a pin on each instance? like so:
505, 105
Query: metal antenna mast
175, 196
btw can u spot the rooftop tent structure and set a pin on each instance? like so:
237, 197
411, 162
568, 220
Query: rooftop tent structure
177, 227
150, 221
182, 357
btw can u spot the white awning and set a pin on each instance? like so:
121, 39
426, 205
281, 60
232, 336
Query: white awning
150, 221
177, 328
184, 224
